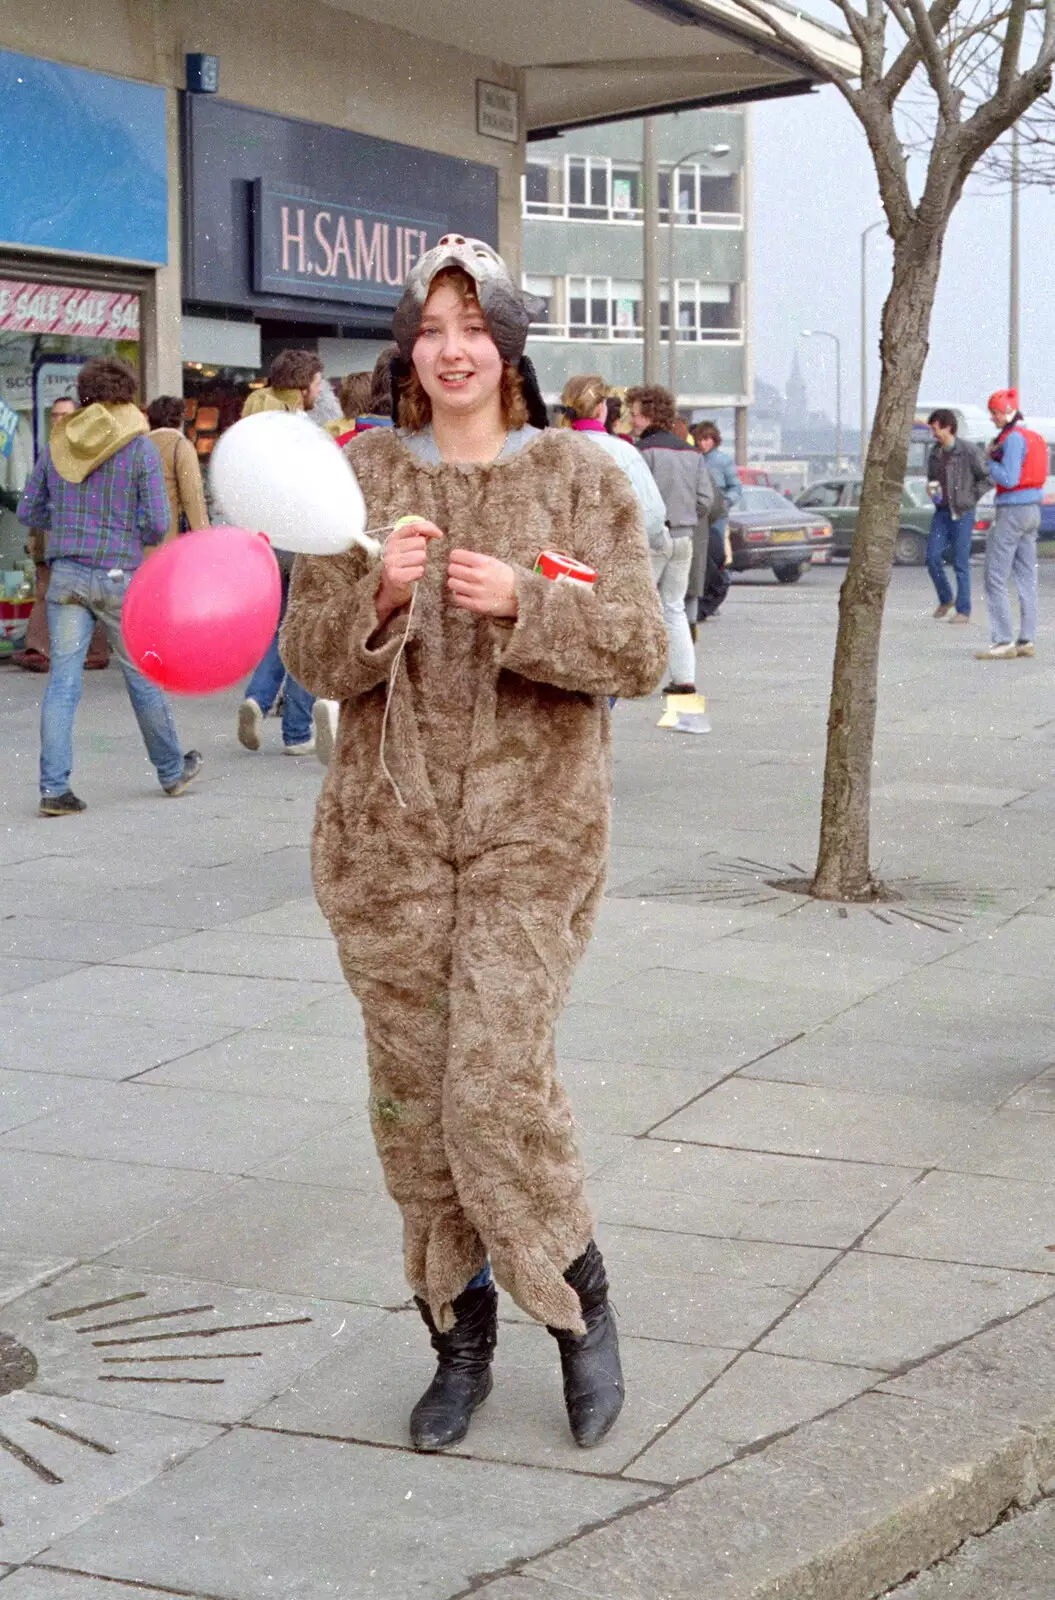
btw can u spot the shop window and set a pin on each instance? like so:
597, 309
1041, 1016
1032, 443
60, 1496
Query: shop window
47, 332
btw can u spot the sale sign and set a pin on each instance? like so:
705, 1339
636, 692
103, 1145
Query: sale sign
54, 308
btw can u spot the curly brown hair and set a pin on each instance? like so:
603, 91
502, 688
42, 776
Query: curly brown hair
354, 393
293, 369
707, 430
165, 412
415, 407
107, 380
656, 402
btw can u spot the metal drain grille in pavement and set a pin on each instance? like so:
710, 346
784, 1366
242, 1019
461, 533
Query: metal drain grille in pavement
742, 884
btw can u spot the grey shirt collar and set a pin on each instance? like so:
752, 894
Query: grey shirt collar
423, 447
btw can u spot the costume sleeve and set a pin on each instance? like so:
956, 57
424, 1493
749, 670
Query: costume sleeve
188, 482
331, 641
1008, 471
603, 639
34, 508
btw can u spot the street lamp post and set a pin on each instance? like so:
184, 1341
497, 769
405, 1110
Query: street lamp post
715, 152
822, 333
1014, 294
872, 226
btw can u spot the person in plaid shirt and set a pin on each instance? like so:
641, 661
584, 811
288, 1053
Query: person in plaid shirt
98, 493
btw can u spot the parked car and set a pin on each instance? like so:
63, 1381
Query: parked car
1047, 511
767, 530
839, 499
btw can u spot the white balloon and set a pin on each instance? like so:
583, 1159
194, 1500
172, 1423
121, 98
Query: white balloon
279, 473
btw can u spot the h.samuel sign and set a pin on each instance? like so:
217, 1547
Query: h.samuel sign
284, 217
325, 249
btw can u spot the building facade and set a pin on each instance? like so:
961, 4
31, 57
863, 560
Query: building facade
584, 250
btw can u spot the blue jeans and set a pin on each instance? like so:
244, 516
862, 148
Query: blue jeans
78, 597
948, 530
267, 680
1011, 553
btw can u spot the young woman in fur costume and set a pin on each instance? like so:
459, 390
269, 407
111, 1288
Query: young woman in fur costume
461, 837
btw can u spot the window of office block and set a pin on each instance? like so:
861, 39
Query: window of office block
543, 188
546, 290
625, 313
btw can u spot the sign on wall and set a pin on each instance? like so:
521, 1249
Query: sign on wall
497, 111
284, 217
53, 308
327, 250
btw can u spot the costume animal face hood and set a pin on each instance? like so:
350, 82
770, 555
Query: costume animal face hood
508, 311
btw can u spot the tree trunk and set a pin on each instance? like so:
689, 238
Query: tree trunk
843, 868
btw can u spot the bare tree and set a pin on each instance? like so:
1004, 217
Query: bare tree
946, 79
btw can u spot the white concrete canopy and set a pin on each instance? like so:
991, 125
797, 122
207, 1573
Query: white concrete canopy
601, 60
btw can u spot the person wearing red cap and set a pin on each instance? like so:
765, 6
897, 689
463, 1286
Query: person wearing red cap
1018, 466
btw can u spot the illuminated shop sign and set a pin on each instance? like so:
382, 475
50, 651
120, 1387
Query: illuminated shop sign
331, 251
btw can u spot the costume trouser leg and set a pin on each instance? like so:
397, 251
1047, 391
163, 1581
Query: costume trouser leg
474, 1133
405, 995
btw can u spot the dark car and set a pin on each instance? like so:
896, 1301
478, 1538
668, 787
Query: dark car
839, 499
767, 530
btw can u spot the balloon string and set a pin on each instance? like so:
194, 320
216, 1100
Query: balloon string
388, 697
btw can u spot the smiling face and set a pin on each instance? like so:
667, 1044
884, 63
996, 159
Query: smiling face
455, 358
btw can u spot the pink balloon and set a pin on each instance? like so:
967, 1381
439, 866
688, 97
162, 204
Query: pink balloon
200, 613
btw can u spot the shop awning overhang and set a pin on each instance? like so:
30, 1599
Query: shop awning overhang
592, 61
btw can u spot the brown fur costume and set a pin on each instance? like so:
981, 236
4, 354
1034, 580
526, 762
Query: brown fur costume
460, 919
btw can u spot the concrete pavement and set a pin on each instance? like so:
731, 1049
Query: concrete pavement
820, 1141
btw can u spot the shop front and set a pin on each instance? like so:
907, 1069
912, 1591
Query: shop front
83, 233
299, 233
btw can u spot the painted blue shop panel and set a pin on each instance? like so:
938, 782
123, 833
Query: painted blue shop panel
83, 161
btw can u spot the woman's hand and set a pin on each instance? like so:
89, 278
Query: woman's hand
403, 563
481, 584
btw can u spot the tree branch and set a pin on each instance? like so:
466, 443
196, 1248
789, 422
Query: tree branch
935, 62
797, 47
909, 58
871, 47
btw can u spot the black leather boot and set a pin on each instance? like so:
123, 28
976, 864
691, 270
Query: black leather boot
593, 1377
463, 1370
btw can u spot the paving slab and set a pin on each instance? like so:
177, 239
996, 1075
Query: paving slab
111, 1454
273, 1062
589, 1031
344, 1158
71, 941
884, 1311
155, 1125
841, 1510
243, 954
419, 1532
39, 1582
1011, 1144
365, 1392
836, 1123
1036, 1095
296, 919
292, 1238
94, 1045
19, 975
55, 1205
18, 1274
757, 1397
834, 1057
178, 997
733, 1194
146, 1342
26, 1096
952, 1216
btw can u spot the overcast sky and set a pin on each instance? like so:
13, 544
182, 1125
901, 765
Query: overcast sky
814, 192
